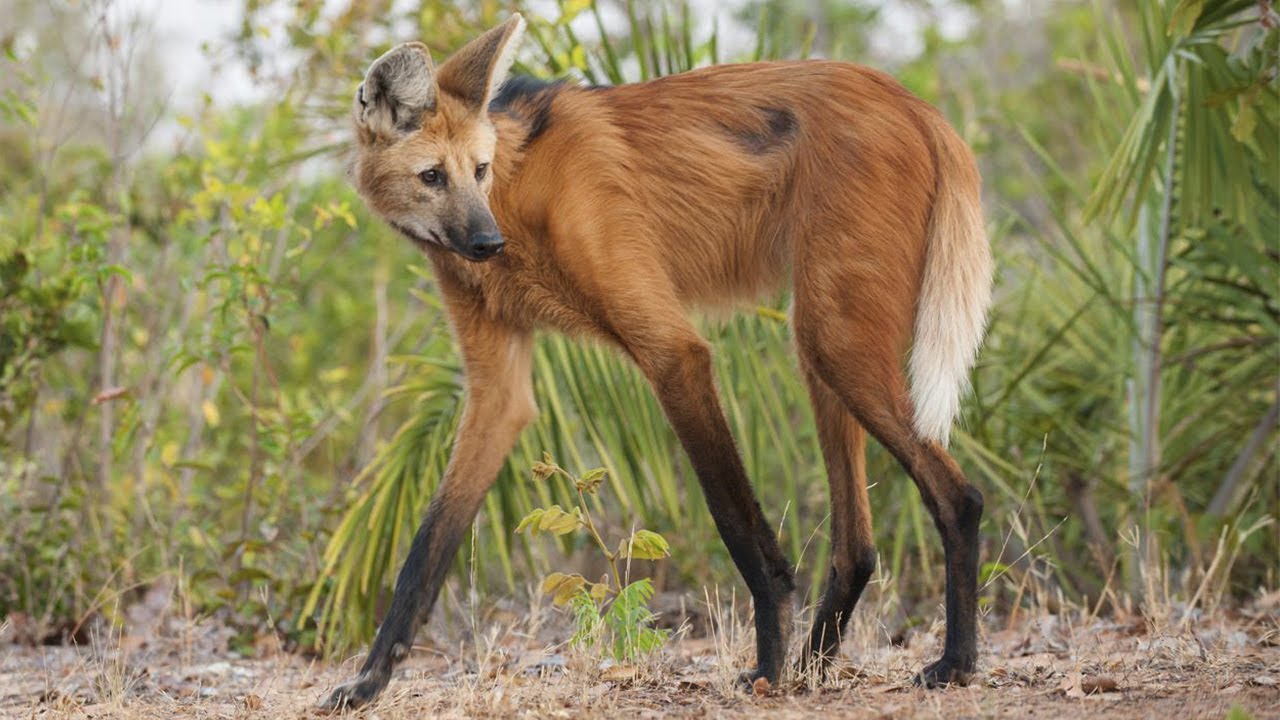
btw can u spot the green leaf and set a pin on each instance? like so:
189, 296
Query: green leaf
1245, 122
555, 520
644, 545
1183, 18
590, 482
530, 521
248, 574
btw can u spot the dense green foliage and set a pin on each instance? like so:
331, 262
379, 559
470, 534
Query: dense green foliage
218, 371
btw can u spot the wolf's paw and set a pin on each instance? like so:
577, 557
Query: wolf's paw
354, 694
757, 682
944, 672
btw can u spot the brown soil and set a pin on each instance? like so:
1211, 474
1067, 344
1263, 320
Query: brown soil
1045, 668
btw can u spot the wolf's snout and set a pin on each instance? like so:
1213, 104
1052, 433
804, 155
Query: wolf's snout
483, 239
483, 246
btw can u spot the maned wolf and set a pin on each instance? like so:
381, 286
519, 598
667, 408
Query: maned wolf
610, 213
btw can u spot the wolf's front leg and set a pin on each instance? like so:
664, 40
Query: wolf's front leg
499, 404
433, 548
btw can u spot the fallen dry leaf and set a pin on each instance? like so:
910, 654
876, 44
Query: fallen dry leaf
846, 672
1263, 681
1100, 684
760, 687
619, 673
694, 684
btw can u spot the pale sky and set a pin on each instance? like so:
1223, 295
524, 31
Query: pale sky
182, 27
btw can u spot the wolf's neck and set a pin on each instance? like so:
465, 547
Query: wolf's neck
528, 100
522, 112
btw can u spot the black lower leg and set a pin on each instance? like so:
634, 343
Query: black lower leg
685, 386
844, 588
417, 587
766, 572
960, 542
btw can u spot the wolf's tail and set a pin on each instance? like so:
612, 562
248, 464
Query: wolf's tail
951, 315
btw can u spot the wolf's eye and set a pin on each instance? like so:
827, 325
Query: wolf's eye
481, 170
434, 176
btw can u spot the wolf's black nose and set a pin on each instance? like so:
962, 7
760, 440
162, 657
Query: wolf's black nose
485, 245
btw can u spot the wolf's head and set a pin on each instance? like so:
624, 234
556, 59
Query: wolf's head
425, 141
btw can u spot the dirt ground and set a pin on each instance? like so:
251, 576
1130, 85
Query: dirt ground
1047, 667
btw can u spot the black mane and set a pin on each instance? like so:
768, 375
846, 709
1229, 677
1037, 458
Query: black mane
529, 98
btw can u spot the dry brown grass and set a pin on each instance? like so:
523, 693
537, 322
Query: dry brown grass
1063, 665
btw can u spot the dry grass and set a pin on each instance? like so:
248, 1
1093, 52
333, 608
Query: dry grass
1061, 665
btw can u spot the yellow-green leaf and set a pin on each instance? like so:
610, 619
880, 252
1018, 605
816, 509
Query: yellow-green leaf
169, 453
1246, 121
552, 581
554, 520
559, 522
644, 545
562, 587
334, 375
599, 591
530, 520
1183, 18
570, 9
211, 414
591, 480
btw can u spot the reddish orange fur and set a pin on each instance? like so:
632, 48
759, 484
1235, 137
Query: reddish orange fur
627, 208
604, 198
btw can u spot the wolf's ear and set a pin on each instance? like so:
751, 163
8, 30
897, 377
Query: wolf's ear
474, 73
397, 91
